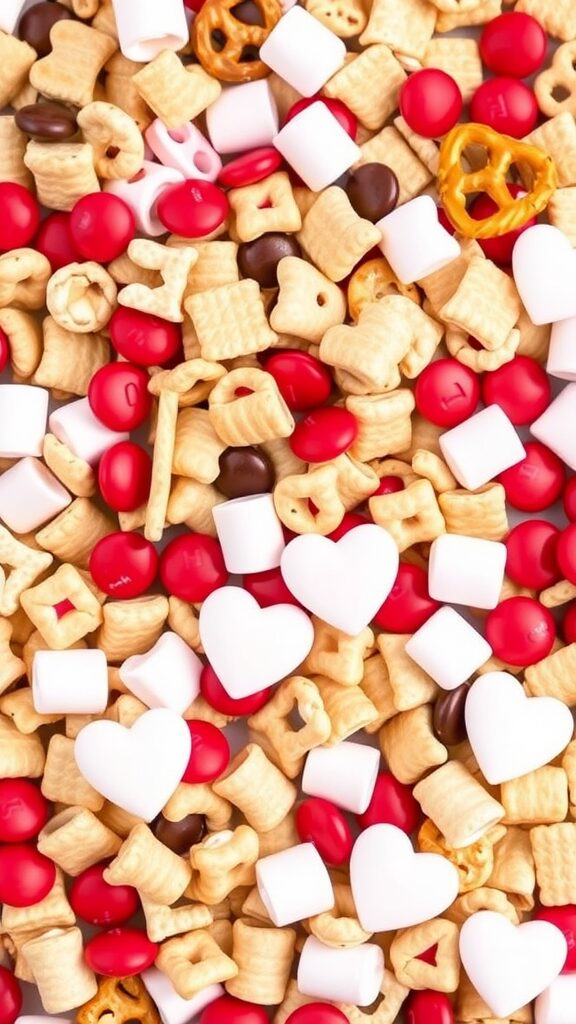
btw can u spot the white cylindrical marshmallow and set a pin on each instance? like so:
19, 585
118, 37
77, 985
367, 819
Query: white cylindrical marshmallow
43, 1019
76, 426
73, 682
10, 11
448, 648
414, 241
481, 447
142, 193
466, 570
556, 1004
345, 774
23, 412
167, 676
562, 351
146, 27
250, 533
302, 51
185, 149
30, 495
316, 146
171, 1007
555, 427
542, 262
352, 975
242, 118
294, 884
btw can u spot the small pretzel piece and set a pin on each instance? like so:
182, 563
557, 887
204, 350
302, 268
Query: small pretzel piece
227, 64
117, 1001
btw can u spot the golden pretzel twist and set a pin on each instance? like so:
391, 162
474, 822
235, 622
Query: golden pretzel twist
561, 75
455, 184
233, 62
118, 1001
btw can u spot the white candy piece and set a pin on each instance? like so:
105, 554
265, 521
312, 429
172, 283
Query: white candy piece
351, 975
10, 11
171, 1007
448, 648
42, 1019
76, 426
23, 413
556, 1004
414, 241
166, 676
185, 149
146, 27
243, 117
294, 884
142, 193
466, 570
316, 146
250, 533
30, 495
302, 51
544, 266
345, 774
481, 447
73, 682
555, 427
562, 352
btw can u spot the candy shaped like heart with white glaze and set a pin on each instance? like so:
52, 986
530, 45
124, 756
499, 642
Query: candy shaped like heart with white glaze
392, 886
137, 768
250, 647
544, 268
512, 734
509, 965
343, 582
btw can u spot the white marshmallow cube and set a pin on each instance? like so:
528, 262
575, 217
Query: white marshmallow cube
302, 51
481, 447
9, 13
146, 27
73, 682
448, 648
250, 533
562, 351
43, 1019
316, 146
414, 241
345, 774
143, 192
242, 118
555, 427
76, 426
555, 1005
294, 884
166, 676
30, 495
185, 149
23, 414
352, 975
173, 1009
466, 570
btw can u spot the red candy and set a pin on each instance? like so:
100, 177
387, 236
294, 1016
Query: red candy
26, 876
97, 902
447, 392
118, 395
144, 339
4, 350
269, 588
408, 605
215, 695
392, 803
23, 810
569, 624
531, 559
120, 952
520, 631
343, 115
566, 553
513, 44
102, 226
54, 241
193, 209
320, 822
499, 249
228, 1010
210, 754
521, 388
192, 566
389, 485
10, 997
124, 474
303, 381
429, 1007
563, 918
317, 1013
569, 499
506, 105
324, 434
349, 522
123, 565
19, 216
250, 167
430, 102
537, 481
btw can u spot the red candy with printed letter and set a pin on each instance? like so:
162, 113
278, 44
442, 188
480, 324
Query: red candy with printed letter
97, 902
23, 810
535, 482
430, 102
506, 105
26, 876
192, 566
210, 754
320, 822
520, 631
120, 953
447, 392
119, 397
123, 565
193, 209
144, 339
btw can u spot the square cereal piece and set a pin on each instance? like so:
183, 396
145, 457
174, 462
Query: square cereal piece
486, 304
426, 149
484, 12
411, 686
63, 172
69, 361
554, 850
216, 265
558, 17
440, 286
12, 149
406, 26
230, 321
174, 93
70, 71
562, 212
26, 564
557, 137
42, 605
459, 58
63, 781
16, 59
388, 147
334, 236
369, 85
266, 206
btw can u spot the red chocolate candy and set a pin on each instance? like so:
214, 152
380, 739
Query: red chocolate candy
566, 553
535, 482
120, 953
144, 339
10, 997
320, 822
447, 392
324, 434
350, 521
210, 754
569, 623
430, 102
118, 395
192, 566
506, 105
532, 554
4, 350
97, 902
520, 631
124, 474
303, 381
389, 485
563, 918
228, 1010
20, 216
317, 1013
250, 167
408, 605
521, 388
428, 1007
569, 499
269, 588
123, 565
343, 115
26, 876
193, 209
102, 226
513, 44
54, 241
23, 810
392, 803
500, 248
215, 695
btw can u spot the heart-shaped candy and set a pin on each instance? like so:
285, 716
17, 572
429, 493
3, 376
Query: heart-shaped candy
544, 268
343, 582
509, 965
137, 768
392, 886
250, 647
512, 734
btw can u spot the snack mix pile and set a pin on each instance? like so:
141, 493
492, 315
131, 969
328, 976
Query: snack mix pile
284, 290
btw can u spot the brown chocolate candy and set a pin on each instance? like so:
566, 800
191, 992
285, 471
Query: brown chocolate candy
259, 259
47, 122
179, 836
373, 191
36, 22
448, 723
244, 471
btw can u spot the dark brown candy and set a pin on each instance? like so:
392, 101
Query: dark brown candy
259, 259
36, 22
47, 122
373, 191
244, 471
179, 836
449, 724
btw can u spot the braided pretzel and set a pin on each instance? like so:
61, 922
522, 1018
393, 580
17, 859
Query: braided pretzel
216, 19
118, 1001
455, 184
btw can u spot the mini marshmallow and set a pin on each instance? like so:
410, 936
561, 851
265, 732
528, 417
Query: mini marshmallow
481, 447
466, 570
73, 682
23, 413
142, 193
316, 146
414, 241
250, 533
294, 884
76, 426
185, 149
302, 51
555, 427
146, 27
448, 648
352, 975
555, 1005
171, 1007
345, 774
562, 351
30, 495
167, 676
10, 11
243, 117
43, 1019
